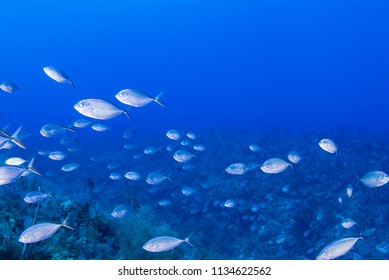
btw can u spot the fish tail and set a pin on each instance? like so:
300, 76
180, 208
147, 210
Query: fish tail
157, 99
64, 223
187, 240
32, 169
14, 138
171, 180
71, 129
70, 82
52, 196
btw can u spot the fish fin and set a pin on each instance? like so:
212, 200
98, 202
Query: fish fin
31, 168
171, 180
187, 240
64, 223
70, 82
129, 117
71, 129
15, 140
52, 196
157, 99
196, 156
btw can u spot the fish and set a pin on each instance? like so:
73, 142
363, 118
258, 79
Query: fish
237, 169
57, 75
275, 165
99, 127
192, 135
9, 173
54, 130
35, 197
348, 223
229, 203
67, 140
133, 175
129, 146
187, 191
57, 155
151, 150
82, 123
328, 145
9, 87
116, 176
164, 202
70, 167
137, 98
16, 161
255, 148
294, 157
374, 179
41, 231
164, 243
99, 109
155, 178
174, 134
184, 156
199, 147
337, 248
113, 165
121, 210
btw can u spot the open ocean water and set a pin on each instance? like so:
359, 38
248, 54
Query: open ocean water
236, 130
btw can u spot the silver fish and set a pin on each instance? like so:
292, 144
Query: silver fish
374, 179
192, 135
150, 150
54, 130
199, 147
57, 155
164, 243
9, 174
229, 203
82, 123
184, 156
174, 134
188, 191
99, 109
99, 127
133, 175
121, 211
9, 87
274, 165
116, 176
237, 169
70, 167
164, 202
348, 223
137, 98
337, 248
255, 148
35, 197
155, 178
16, 161
57, 75
294, 157
328, 145
41, 231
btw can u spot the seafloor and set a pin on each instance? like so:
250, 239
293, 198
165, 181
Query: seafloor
291, 215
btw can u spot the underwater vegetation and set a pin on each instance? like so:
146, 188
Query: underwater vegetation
224, 203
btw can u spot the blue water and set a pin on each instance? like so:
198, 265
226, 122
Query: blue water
279, 74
